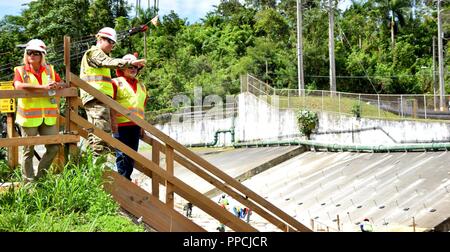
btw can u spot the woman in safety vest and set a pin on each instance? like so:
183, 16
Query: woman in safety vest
133, 96
36, 115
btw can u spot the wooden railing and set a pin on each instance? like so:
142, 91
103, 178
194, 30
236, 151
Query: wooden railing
175, 152
13, 140
76, 126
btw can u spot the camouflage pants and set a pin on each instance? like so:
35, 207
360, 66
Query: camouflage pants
99, 115
28, 151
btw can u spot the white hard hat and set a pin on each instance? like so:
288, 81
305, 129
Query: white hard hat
36, 45
129, 57
108, 32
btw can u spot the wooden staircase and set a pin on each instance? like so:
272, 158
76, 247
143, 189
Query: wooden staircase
140, 203
160, 215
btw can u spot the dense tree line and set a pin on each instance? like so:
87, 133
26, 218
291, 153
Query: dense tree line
382, 46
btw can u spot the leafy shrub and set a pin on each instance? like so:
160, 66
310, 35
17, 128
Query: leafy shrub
6, 174
307, 122
3, 153
70, 201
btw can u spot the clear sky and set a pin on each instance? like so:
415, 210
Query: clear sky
193, 10
11, 7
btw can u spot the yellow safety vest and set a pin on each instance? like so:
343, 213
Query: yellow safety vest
132, 101
31, 112
99, 78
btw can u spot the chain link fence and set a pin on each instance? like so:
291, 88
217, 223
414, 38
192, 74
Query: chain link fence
403, 106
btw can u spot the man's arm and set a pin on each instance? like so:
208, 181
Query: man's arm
100, 59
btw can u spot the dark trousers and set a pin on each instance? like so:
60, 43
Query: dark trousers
128, 135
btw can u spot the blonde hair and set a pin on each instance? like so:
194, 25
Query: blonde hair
25, 59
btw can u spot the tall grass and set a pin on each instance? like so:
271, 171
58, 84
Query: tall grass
70, 201
6, 174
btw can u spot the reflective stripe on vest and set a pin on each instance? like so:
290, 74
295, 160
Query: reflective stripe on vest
126, 96
99, 78
32, 112
38, 112
96, 78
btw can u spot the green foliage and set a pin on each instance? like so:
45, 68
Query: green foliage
307, 122
71, 201
6, 174
271, 24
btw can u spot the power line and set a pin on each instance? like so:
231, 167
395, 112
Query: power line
362, 76
59, 51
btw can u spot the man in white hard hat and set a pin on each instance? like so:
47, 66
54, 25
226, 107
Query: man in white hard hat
95, 69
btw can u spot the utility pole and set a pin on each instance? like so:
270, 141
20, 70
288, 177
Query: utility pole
301, 81
145, 45
138, 5
331, 49
435, 84
441, 60
145, 33
267, 74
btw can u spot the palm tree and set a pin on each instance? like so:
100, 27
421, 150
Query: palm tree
394, 11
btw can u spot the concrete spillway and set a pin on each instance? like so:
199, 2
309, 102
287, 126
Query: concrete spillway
388, 188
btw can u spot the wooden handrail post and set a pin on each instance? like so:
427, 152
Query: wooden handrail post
71, 102
67, 63
13, 152
155, 177
170, 172
60, 159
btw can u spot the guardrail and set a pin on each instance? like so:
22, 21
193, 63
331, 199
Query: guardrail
401, 106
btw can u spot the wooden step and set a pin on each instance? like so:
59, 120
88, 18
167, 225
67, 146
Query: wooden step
140, 203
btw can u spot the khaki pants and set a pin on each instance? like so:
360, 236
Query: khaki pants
99, 115
28, 151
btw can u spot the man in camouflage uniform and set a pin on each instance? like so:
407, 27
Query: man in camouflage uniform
95, 69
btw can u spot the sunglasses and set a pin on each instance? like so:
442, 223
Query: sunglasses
35, 53
110, 41
133, 68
